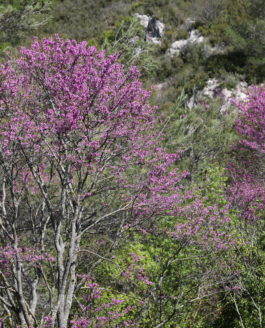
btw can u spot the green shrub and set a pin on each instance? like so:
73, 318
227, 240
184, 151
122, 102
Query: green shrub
205, 134
229, 80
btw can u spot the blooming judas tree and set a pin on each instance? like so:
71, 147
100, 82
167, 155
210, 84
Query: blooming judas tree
251, 122
247, 192
247, 196
80, 159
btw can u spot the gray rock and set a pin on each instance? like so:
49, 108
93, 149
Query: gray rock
239, 93
153, 27
176, 47
194, 38
212, 90
144, 19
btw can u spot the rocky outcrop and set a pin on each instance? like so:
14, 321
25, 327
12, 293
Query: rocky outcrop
154, 29
239, 93
144, 19
210, 91
194, 38
213, 90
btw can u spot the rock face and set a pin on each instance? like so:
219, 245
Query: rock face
144, 19
212, 90
154, 29
176, 47
194, 38
239, 93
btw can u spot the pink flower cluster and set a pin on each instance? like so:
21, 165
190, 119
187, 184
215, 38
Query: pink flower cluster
135, 270
10, 254
247, 192
65, 102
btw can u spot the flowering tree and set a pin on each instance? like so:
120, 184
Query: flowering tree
80, 159
247, 191
247, 195
251, 122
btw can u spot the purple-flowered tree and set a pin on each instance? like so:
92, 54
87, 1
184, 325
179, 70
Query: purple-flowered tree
247, 191
79, 158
